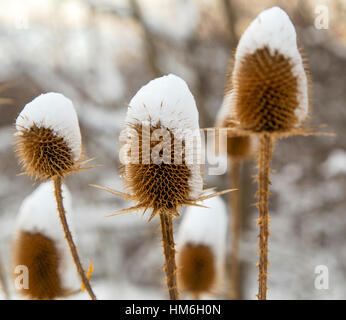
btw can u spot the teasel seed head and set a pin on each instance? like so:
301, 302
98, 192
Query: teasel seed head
269, 84
48, 137
201, 247
160, 113
39, 245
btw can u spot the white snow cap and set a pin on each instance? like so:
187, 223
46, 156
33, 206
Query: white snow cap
206, 226
273, 29
56, 112
167, 100
38, 214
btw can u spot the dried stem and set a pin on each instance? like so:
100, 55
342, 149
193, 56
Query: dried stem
169, 251
235, 229
68, 236
264, 159
3, 283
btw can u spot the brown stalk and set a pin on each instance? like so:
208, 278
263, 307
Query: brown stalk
235, 229
264, 159
169, 252
68, 236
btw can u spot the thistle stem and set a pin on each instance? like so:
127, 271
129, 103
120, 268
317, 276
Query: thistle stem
235, 229
264, 159
3, 282
169, 252
68, 236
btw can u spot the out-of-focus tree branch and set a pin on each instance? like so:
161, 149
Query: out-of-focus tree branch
231, 21
150, 48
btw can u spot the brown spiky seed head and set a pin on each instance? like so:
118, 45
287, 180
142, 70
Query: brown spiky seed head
266, 92
43, 154
39, 254
269, 79
163, 187
196, 268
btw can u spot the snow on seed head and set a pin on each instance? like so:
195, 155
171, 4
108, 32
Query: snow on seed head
201, 247
39, 234
48, 136
162, 123
269, 83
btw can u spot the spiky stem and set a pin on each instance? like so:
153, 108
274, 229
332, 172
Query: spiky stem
235, 228
3, 282
169, 252
264, 159
68, 236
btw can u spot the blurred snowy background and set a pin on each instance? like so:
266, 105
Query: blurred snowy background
99, 53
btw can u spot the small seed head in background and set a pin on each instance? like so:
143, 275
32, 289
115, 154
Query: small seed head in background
39, 254
196, 269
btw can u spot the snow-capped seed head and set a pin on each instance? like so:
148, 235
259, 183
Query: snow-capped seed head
39, 234
167, 100
269, 82
49, 139
162, 178
201, 247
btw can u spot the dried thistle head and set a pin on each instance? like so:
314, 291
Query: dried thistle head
162, 170
201, 247
163, 187
269, 89
197, 270
40, 245
40, 255
48, 137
